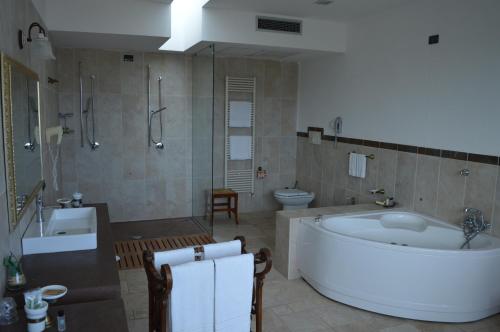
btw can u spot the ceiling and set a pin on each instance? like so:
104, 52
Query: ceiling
339, 10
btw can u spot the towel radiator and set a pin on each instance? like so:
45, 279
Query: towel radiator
239, 89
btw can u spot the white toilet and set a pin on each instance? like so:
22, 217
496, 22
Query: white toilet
293, 199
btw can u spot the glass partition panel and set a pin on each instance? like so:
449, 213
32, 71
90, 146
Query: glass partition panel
202, 135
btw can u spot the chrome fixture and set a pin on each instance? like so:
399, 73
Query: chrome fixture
21, 200
465, 172
151, 114
39, 43
386, 202
473, 224
318, 218
80, 79
64, 117
377, 191
336, 125
32, 109
84, 125
39, 209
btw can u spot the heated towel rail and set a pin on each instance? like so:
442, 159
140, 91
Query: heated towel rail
239, 179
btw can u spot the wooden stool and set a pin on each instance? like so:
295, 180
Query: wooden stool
229, 195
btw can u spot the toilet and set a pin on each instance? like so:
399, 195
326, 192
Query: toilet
293, 199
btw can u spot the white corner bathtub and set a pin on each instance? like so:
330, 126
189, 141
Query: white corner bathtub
401, 264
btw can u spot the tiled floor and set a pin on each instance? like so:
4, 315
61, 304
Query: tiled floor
291, 305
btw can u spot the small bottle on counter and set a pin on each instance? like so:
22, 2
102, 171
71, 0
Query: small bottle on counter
61, 321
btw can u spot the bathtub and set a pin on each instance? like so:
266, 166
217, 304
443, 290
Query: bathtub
401, 264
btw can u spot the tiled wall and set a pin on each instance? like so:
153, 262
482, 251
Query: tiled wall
425, 180
137, 182
276, 116
14, 15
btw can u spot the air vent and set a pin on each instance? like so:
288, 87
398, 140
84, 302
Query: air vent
279, 24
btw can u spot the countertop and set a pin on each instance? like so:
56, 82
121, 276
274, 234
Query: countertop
101, 316
303, 213
89, 275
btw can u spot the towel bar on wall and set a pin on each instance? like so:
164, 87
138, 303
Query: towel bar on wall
369, 156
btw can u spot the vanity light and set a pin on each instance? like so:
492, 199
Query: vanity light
39, 43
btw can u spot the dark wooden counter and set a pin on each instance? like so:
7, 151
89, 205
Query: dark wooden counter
101, 316
89, 275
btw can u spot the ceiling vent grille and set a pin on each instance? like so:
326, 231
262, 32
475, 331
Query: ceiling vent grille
279, 25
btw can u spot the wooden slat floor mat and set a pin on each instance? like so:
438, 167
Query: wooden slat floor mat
130, 251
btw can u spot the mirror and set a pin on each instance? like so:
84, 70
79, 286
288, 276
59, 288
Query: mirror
21, 129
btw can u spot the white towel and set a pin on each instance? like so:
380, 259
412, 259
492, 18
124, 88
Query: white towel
240, 114
240, 147
361, 166
357, 165
222, 249
233, 293
352, 164
192, 297
173, 257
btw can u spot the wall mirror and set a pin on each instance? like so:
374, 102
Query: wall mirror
21, 136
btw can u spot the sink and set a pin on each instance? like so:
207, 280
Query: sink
64, 230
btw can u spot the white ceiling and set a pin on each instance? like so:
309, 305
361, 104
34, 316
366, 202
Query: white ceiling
339, 10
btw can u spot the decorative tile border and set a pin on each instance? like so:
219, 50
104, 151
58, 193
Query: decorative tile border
478, 158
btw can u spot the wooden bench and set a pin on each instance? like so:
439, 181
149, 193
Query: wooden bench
230, 203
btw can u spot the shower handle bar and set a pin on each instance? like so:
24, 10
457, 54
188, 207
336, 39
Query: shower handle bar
81, 104
149, 106
94, 145
92, 108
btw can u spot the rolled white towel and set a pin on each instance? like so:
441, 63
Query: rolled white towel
173, 257
222, 249
233, 293
192, 297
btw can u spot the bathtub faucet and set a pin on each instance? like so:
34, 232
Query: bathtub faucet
473, 224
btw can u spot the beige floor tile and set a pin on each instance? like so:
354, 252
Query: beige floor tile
139, 325
304, 321
401, 328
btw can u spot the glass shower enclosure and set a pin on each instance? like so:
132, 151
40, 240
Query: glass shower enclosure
202, 136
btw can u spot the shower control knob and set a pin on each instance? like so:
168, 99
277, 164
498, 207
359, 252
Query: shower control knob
159, 146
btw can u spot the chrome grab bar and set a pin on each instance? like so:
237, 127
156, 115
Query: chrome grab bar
81, 103
151, 113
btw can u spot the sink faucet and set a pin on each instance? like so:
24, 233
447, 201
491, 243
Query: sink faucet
473, 224
39, 209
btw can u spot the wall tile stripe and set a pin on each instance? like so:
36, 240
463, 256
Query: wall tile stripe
479, 158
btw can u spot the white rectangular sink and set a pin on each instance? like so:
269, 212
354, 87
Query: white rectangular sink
65, 230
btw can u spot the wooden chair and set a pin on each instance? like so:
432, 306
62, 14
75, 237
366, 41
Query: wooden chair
160, 286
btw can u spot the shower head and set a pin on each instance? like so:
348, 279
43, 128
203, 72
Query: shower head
95, 145
159, 146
